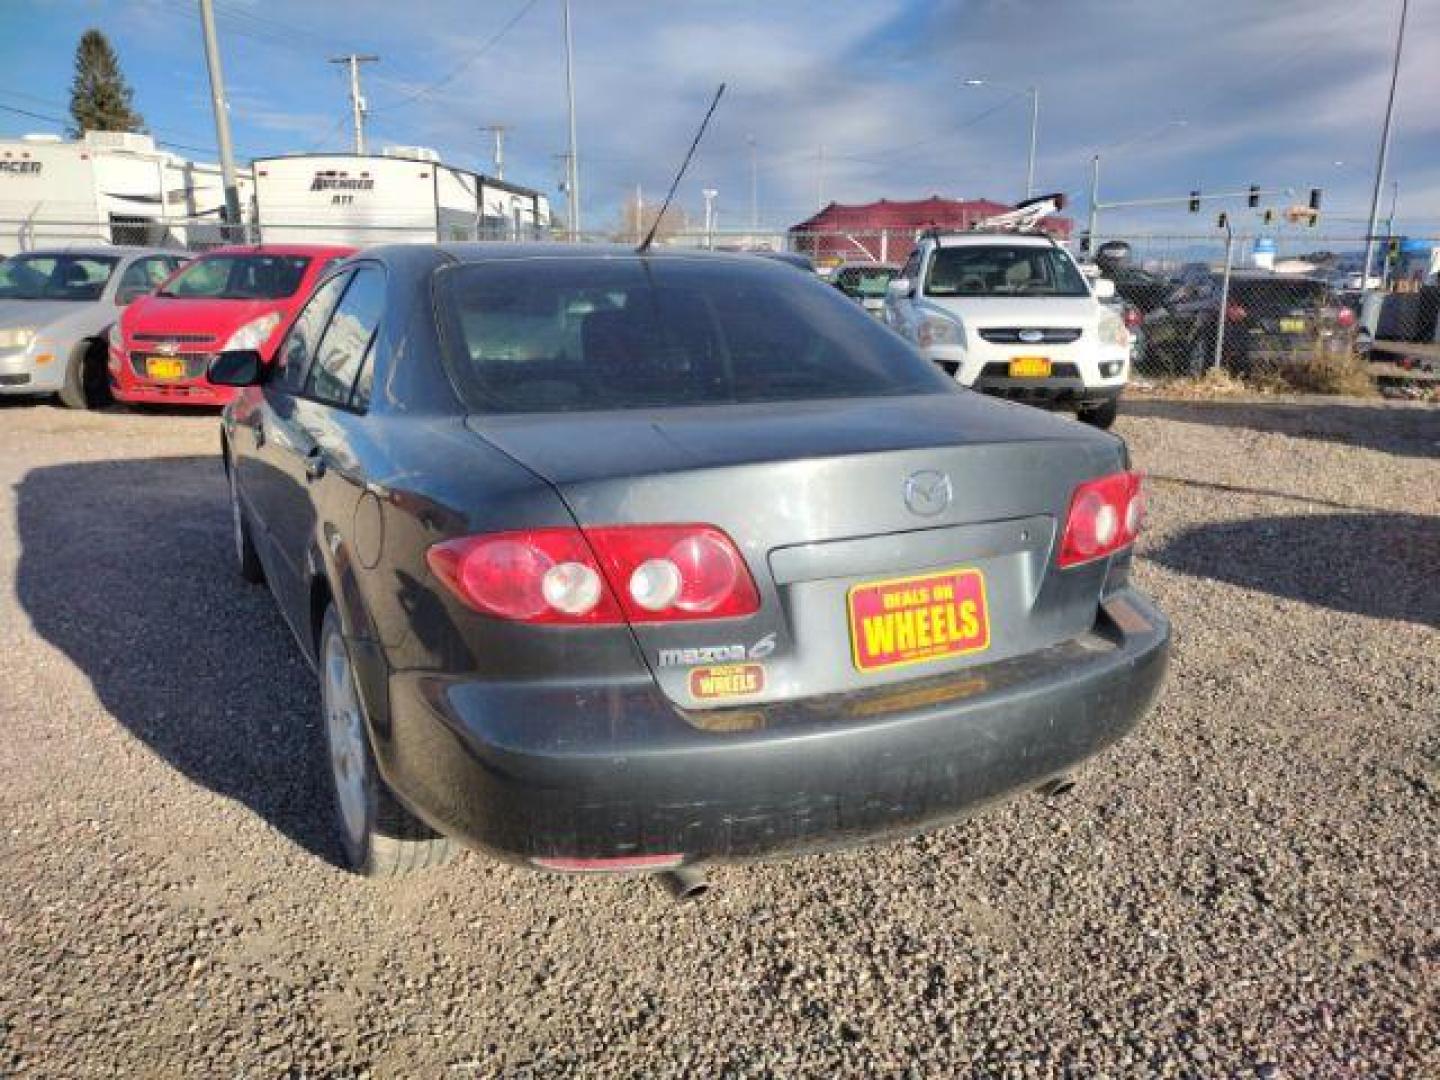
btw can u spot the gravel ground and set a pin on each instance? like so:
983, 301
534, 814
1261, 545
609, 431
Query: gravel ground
1249, 885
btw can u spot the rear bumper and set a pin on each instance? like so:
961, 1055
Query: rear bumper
617, 770
1051, 393
132, 389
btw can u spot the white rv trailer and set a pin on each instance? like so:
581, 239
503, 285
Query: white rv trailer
107, 187
403, 195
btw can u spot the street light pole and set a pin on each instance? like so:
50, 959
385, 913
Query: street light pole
1034, 135
754, 187
1384, 149
222, 116
1094, 218
572, 180
1034, 92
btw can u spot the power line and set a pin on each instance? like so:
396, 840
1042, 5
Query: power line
426, 91
62, 120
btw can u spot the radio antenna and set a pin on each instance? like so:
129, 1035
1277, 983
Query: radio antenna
650, 236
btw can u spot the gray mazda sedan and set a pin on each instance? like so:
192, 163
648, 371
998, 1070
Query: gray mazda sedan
611, 561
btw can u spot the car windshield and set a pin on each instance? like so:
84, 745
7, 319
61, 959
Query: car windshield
240, 277
548, 335
55, 277
864, 282
1003, 270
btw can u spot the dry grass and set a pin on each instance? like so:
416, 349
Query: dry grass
1330, 373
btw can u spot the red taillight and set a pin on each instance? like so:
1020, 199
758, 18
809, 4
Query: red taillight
1105, 515
643, 573
1133, 318
1235, 313
1345, 317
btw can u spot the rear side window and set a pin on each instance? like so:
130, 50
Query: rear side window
292, 362
347, 340
147, 273
552, 334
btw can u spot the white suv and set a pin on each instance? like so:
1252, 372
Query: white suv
1011, 314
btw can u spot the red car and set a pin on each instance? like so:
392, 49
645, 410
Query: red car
229, 298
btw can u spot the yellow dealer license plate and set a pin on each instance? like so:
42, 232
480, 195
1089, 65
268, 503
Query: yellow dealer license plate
912, 620
165, 367
1292, 326
1030, 367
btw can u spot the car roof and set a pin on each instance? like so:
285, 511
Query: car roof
499, 251
991, 239
120, 251
282, 249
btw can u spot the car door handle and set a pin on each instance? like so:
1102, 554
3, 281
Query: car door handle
314, 464
259, 436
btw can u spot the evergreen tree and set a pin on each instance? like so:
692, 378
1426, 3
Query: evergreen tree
100, 98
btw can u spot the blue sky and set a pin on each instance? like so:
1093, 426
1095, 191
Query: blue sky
1283, 93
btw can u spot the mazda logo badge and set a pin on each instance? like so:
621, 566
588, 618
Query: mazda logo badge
1031, 337
927, 492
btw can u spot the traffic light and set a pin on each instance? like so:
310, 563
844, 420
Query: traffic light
1254, 199
1194, 202
1269, 217
1315, 199
1223, 220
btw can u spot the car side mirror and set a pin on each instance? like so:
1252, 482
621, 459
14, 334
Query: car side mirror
1104, 289
130, 294
899, 288
238, 367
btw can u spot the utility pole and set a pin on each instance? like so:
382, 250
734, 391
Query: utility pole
573, 162
639, 214
222, 118
498, 130
754, 187
357, 100
820, 179
1384, 149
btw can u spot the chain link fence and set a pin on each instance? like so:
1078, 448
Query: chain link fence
1291, 306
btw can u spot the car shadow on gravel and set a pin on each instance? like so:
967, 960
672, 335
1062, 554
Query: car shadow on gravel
1404, 431
126, 567
1382, 564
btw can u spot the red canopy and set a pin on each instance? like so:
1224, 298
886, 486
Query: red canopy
854, 232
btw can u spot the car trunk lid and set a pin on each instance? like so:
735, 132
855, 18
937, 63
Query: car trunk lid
821, 499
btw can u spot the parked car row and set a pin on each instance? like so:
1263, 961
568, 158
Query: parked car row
142, 324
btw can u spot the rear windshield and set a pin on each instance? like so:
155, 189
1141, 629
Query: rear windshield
1003, 270
863, 282
549, 334
1263, 292
240, 277
55, 277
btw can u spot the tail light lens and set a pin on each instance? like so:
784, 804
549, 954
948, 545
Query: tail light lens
1235, 313
1105, 516
609, 574
1345, 317
1133, 318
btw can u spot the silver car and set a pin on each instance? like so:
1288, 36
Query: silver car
56, 310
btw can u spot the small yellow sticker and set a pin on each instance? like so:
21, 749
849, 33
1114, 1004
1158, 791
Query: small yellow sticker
726, 680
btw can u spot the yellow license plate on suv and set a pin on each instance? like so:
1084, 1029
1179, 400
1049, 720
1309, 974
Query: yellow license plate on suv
1030, 367
1292, 326
165, 367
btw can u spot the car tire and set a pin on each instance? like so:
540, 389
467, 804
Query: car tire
87, 381
378, 837
247, 558
1101, 416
